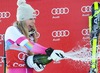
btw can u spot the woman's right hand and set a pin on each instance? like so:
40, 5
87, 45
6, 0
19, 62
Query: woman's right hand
36, 66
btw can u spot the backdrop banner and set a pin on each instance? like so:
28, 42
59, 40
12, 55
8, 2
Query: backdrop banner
61, 24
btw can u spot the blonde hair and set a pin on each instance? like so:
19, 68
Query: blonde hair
24, 30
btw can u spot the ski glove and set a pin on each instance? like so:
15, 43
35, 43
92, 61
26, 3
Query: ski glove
31, 64
55, 55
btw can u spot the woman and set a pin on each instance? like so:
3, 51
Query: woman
20, 43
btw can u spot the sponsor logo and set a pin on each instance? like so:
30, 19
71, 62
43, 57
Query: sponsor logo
85, 32
5, 14
85, 9
1, 59
18, 65
96, 19
21, 56
1, 37
58, 11
37, 12
60, 33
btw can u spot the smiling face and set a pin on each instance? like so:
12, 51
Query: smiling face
30, 23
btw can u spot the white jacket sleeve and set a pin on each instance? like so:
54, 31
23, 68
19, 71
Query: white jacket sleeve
12, 33
15, 35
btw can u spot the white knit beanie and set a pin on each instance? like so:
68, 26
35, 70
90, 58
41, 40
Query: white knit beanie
24, 11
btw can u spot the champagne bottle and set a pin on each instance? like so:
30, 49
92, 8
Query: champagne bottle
41, 59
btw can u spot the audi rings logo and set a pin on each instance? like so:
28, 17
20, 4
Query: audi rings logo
1, 59
85, 9
5, 14
85, 32
58, 11
60, 33
1, 37
37, 12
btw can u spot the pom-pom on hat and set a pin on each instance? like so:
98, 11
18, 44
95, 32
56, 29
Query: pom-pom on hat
24, 11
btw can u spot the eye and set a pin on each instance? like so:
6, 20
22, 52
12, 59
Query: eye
31, 19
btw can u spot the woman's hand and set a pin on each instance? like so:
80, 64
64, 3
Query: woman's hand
55, 55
